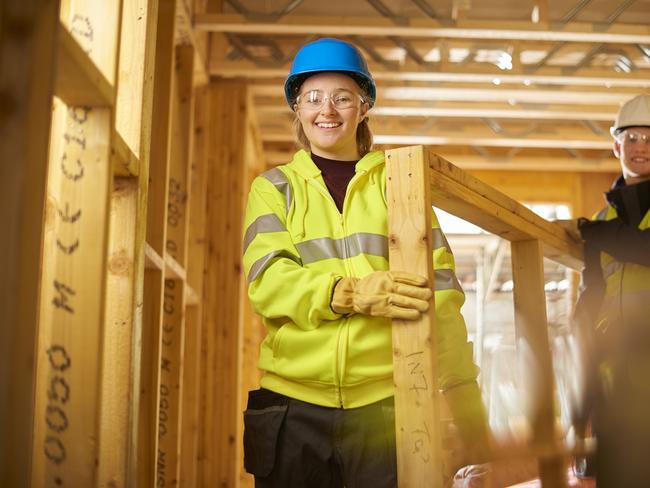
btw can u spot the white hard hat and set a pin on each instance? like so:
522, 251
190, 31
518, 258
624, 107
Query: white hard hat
633, 113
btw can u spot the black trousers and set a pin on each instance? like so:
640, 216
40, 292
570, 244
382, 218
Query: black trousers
293, 444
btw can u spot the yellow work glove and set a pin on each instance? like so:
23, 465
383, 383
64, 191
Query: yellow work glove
391, 294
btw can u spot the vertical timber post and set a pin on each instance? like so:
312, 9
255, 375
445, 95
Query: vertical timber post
417, 412
531, 327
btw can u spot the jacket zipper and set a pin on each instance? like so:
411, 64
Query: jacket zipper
344, 323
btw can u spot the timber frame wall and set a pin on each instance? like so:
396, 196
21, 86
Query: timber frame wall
121, 315
417, 179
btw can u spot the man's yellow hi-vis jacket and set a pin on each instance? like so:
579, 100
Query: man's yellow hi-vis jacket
296, 246
627, 292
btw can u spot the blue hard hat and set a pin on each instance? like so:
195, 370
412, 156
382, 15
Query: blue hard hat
328, 54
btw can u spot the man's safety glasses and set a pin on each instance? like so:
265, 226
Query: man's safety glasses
315, 99
633, 137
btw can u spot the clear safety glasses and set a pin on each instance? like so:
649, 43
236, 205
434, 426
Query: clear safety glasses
630, 137
315, 99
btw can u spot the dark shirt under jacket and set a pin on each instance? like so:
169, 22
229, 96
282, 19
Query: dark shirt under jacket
337, 176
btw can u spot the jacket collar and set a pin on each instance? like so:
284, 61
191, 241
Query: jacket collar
631, 202
305, 167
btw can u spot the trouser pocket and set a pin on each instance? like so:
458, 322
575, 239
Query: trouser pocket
263, 420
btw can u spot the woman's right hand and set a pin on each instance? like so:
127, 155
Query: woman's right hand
391, 294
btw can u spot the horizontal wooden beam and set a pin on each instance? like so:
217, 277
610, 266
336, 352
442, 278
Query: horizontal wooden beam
557, 142
517, 163
461, 112
124, 162
425, 28
487, 94
79, 82
543, 76
458, 192
184, 35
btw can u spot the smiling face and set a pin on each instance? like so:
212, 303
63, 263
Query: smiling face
634, 155
332, 132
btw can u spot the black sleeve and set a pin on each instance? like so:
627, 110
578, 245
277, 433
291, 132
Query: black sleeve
625, 243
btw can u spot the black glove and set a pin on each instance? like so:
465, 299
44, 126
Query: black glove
624, 242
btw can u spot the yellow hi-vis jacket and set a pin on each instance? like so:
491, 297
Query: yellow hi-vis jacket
627, 291
296, 246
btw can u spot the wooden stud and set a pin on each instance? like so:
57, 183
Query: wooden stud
160, 130
195, 262
253, 331
70, 342
149, 391
180, 154
115, 380
135, 441
220, 372
72, 299
171, 371
417, 410
532, 336
131, 74
172, 338
27, 67
158, 147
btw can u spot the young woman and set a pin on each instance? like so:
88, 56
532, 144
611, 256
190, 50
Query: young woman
316, 263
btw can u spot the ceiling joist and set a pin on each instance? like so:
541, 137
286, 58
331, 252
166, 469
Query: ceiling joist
427, 28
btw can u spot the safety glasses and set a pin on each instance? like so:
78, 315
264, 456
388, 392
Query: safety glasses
315, 99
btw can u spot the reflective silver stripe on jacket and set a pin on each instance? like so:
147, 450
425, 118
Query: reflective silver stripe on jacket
347, 247
439, 240
611, 268
281, 183
262, 263
445, 279
262, 224
602, 215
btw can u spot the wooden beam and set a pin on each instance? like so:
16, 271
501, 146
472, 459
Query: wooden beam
351, 26
158, 146
171, 387
123, 160
95, 27
533, 346
458, 192
118, 344
534, 142
131, 73
173, 269
487, 94
484, 73
191, 426
462, 112
78, 81
516, 163
185, 35
417, 403
27, 76
134, 463
71, 326
220, 372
